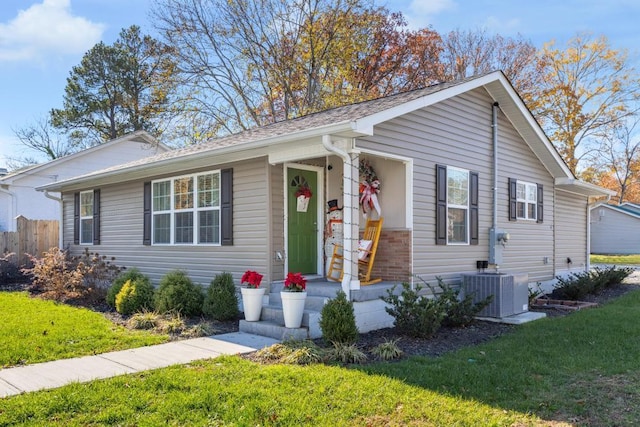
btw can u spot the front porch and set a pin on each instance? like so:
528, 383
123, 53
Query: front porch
368, 309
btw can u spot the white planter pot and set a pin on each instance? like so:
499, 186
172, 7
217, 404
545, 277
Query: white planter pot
252, 303
293, 308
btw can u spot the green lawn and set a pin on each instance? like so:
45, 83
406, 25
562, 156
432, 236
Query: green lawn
616, 259
577, 370
34, 330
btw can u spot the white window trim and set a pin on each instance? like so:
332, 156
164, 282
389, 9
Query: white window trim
526, 201
465, 207
194, 210
86, 217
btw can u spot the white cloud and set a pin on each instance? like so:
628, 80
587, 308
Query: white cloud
44, 29
422, 13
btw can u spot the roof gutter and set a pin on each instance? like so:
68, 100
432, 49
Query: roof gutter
348, 282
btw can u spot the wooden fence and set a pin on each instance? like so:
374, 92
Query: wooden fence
33, 237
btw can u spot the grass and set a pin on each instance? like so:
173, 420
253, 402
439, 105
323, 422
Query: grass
616, 259
575, 370
35, 330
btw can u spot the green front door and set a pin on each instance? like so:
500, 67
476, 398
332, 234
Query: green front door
303, 226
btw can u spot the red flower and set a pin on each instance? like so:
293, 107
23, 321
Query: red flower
295, 282
305, 191
252, 278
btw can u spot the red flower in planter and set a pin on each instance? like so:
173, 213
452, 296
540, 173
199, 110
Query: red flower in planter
295, 282
251, 278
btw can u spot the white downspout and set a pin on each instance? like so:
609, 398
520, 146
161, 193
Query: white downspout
60, 227
347, 204
14, 207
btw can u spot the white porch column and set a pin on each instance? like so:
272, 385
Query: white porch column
351, 219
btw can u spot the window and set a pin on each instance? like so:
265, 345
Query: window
457, 206
186, 210
86, 218
525, 201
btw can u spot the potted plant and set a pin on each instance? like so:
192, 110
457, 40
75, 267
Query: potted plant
252, 295
293, 298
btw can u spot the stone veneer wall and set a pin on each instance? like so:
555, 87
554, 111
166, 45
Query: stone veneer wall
393, 259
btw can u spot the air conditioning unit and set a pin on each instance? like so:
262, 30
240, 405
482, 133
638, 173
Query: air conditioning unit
510, 292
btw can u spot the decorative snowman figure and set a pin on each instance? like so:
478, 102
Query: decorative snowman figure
333, 231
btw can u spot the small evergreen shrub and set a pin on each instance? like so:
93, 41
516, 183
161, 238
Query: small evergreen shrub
134, 296
338, 322
575, 287
221, 300
459, 311
134, 275
611, 276
415, 315
178, 294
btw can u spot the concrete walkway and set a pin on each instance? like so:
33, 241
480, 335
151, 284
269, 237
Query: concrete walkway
55, 374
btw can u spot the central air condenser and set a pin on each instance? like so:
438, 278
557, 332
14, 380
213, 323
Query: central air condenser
510, 292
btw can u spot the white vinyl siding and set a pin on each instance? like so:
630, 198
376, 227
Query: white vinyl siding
186, 210
614, 232
570, 232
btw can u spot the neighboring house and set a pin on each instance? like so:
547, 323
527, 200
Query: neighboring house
442, 155
17, 189
615, 229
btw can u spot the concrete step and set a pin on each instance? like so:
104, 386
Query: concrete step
312, 302
272, 329
325, 289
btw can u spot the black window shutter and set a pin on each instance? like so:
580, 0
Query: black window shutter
76, 218
540, 205
513, 199
441, 205
146, 228
473, 207
226, 206
96, 217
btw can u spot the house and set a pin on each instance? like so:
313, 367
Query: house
17, 189
615, 229
466, 174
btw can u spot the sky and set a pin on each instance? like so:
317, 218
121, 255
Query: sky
41, 40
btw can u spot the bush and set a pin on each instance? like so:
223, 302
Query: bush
177, 293
415, 315
574, 287
221, 300
338, 322
9, 270
387, 350
459, 311
135, 276
346, 353
134, 296
55, 278
98, 270
611, 276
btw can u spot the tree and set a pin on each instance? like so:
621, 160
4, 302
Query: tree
118, 89
468, 53
585, 89
618, 157
43, 140
250, 63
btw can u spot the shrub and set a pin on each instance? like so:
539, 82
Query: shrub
134, 275
9, 270
415, 315
611, 276
221, 300
388, 350
291, 352
574, 287
98, 270
177, 293
459, 311
144, 320
134, 296
53, 276
338, 322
